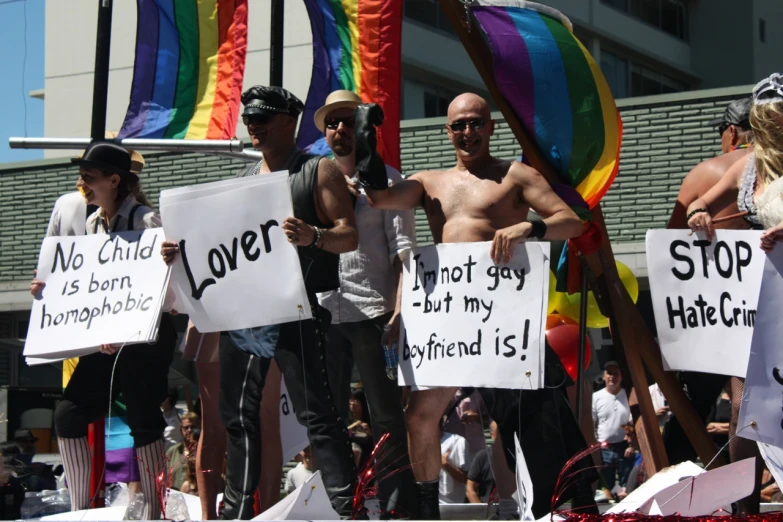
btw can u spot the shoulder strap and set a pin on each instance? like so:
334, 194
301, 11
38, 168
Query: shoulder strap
132, 215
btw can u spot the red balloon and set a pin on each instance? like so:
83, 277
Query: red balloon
553, 320
564, 340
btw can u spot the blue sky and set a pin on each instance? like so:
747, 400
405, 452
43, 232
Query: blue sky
15, 86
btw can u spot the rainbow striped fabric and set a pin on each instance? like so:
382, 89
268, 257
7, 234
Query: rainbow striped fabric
190, 62
357, 46
556, 89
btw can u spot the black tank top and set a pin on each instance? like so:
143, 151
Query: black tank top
320, 268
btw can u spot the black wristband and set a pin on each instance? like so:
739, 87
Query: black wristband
370, 186
316, 237
539, 228
694, 212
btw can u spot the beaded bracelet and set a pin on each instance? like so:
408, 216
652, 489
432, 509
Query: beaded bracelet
694, 212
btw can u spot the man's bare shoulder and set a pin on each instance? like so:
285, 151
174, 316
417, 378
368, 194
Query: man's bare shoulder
328, 171
428, 175
523, 174
710, 171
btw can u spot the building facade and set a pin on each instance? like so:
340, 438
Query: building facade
645, 47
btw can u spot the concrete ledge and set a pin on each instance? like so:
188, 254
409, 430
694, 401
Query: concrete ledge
15, 296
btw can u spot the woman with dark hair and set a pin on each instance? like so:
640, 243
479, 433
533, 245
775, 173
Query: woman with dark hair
141, 373
359, 431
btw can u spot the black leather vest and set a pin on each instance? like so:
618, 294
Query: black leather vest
320, 268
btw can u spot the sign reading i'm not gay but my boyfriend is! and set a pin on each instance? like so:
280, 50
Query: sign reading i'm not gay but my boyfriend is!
470, 322
100, 289
235, 268
704, 297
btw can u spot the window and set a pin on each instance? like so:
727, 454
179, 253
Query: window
421, 100
427, 12
670, 16
615, 70
762, 30
626, 78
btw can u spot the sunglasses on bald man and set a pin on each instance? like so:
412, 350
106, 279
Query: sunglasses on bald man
461, 125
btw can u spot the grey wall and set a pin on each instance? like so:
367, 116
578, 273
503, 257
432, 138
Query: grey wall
665, 136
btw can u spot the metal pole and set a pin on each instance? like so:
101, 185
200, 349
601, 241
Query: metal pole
580, 377
276, 44
100, 86
234, 145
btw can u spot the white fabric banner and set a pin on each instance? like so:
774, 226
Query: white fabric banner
469, 322
761, 415
236, 268
100, 289
704, 298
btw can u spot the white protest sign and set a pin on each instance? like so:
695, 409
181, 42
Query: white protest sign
292, 434
704, 298
307, 502
663, 479
761, 412
706, 493
236, 268
469, 322
773, 458
524, 484
100, 289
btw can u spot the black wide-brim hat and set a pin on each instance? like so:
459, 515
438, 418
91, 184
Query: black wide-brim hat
108, 157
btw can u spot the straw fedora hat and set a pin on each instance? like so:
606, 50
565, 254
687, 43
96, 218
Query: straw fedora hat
336, 100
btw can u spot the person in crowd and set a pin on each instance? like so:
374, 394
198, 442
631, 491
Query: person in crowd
323, 226
636, 477
366, 308
141, 373
611, 413
171, 415
453, 477
179, 456
483, 198
298, 475
360, 430
466, 416
719, 420
481, 480
754, 182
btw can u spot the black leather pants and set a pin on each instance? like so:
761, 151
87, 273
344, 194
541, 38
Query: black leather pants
299, 352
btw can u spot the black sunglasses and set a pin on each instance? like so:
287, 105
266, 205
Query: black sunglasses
256, 119
461, 125
722, 128
333, 123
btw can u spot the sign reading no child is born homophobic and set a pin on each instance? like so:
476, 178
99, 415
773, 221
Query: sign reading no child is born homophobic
100, 289
470, 322
235, 268
704, 297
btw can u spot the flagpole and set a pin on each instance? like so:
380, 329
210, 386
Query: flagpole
100, 86
276, 44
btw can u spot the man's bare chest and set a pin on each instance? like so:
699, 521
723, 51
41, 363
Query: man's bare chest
475, 197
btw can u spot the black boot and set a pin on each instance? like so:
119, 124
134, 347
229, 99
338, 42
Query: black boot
236, 506
429, 507
369, 165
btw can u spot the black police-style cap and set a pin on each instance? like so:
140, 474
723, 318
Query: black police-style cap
737, 113
108, 157
269, 101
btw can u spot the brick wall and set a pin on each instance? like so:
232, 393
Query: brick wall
665, 136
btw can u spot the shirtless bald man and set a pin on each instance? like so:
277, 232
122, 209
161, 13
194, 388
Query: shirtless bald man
481, 199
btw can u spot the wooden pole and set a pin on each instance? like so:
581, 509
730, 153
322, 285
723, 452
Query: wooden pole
629, 330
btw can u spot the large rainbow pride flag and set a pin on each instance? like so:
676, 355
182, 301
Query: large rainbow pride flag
357, 46
556, 89
190, 63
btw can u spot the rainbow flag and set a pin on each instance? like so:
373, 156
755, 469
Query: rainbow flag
557, 91
357, 46
190, 63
